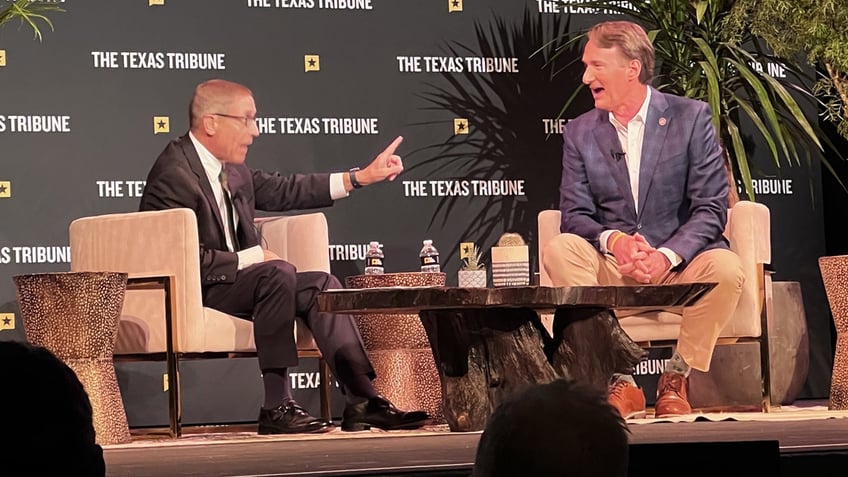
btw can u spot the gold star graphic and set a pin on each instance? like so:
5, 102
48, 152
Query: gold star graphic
454, 5
7, 321
161, 124
311, 63
460, 126
465, 250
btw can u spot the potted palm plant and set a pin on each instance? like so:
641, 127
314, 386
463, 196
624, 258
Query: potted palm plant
705, 50
816, 30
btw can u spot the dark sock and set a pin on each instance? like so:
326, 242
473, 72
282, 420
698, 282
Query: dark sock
277, 387
359, 389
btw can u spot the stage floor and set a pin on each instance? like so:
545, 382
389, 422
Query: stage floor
810, 439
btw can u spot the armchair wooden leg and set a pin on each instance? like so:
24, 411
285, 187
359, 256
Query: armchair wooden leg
174, 404
765, 351
765, 370
172, 367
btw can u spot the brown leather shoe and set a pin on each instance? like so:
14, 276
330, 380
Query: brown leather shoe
671, 396
627, 399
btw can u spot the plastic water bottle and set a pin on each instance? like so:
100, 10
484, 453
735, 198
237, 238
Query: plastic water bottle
374, 259
429, 258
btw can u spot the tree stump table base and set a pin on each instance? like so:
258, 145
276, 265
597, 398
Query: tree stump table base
489, 342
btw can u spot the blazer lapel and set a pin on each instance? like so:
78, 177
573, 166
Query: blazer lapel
656, 127
197, 167
609, 144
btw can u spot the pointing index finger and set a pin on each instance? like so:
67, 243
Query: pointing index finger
394, 145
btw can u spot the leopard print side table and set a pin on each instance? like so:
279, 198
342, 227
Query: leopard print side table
834, 272
399, 348
75, 315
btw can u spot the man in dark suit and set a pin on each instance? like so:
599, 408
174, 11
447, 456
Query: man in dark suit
644, 199
205, 171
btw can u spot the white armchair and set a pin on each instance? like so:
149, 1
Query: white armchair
748, 230
160, 252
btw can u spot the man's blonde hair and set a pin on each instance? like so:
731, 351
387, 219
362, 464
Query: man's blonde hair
631, 39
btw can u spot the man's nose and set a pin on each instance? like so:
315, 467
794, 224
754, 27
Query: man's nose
587, 76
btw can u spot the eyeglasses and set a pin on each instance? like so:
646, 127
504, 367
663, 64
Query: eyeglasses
246, 120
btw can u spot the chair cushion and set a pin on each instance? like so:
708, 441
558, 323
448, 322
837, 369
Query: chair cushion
224, 333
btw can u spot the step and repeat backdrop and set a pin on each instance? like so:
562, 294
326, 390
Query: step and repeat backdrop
86, 111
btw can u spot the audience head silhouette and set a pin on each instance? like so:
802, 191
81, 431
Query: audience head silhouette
48, 427
552, 430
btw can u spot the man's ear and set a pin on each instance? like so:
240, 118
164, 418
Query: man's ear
634, 69
210, 124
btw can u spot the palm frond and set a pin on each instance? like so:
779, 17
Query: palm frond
502, 143
29, 13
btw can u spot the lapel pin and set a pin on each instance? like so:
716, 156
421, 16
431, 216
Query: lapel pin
662, 121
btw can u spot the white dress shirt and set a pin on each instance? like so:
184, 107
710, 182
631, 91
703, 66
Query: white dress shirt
631, 137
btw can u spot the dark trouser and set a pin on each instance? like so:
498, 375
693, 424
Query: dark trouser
273, 294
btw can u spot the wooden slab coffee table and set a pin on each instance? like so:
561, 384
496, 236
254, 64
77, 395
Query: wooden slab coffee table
490, 342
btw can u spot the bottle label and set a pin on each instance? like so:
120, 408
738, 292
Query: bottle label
430, 260
373, 262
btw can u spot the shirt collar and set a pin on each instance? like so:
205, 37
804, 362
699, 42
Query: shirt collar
211, 165
640, 115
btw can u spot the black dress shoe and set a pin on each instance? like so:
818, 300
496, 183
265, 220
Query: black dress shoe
290, 418
379, 412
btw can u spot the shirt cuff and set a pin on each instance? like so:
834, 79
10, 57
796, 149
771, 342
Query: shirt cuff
604, 238
250, 256
674, 258
337, 188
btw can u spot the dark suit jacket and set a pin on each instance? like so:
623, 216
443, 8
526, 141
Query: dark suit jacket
178, 179
683, 186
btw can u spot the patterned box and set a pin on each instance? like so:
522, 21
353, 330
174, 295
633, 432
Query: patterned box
510, 266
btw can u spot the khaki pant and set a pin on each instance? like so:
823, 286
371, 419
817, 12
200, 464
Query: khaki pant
572, 261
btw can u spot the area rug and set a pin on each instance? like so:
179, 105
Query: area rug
207, 435
247, 434
798, 412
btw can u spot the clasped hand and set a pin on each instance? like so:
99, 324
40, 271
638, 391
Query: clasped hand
638, 260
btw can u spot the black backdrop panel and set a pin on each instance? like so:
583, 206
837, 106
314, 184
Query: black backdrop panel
112, 74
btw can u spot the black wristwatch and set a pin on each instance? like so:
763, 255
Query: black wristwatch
355, 183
